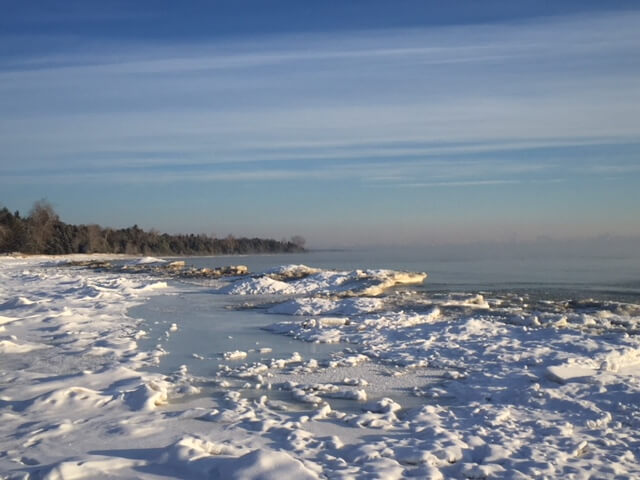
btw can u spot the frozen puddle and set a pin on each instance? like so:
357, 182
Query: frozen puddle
196, 329
222, 348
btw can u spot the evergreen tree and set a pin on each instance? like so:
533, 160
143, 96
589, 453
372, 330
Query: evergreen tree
43, 232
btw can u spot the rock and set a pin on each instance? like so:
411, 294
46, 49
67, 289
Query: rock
176, 268
234, 270
177, 265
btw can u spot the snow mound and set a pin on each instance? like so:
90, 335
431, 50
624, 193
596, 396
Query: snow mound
147, 396
290, 272
567, 373
259, 286
16, 303
11, 346
266, 465
326, 306
146, 261
303, 280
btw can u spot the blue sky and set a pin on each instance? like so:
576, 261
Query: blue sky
347, 122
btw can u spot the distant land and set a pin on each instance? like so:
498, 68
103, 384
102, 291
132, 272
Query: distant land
42, 232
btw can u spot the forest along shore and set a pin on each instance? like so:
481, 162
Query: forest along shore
42, 232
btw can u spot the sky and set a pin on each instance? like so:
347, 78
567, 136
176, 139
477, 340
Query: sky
347, 122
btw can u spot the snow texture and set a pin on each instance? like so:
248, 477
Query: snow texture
502, 387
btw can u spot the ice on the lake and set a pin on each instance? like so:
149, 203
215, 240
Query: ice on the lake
301, 280
437, 385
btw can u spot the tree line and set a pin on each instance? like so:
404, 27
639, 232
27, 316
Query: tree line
42, 232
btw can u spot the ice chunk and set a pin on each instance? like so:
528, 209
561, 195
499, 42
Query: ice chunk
235, 355
146, 261
147, 396
291, 272
567, 373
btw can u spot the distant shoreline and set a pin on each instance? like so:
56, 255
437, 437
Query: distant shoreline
43, 233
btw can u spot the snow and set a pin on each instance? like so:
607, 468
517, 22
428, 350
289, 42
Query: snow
457, 386
146, 261
235, 355
292, 271
326, 306
9, 346
259, 465
301, 279
258, 286
567, 373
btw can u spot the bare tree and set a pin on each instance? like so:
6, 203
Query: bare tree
42, 219
96, 239
298, 240
4, 237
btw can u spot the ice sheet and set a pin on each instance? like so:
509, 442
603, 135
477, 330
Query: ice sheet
520, 389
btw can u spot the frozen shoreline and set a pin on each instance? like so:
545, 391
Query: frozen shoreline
519, 397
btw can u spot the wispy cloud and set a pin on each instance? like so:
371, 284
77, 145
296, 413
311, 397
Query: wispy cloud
126, 177
468, 183
388, 113
548, 38
613, 169
401, 172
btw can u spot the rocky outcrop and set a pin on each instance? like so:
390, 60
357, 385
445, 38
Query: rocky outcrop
178, 269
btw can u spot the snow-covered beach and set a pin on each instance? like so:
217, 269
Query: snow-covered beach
424, 384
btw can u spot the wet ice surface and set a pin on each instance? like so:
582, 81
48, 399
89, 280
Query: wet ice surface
211, 335
136, 377
206, 330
